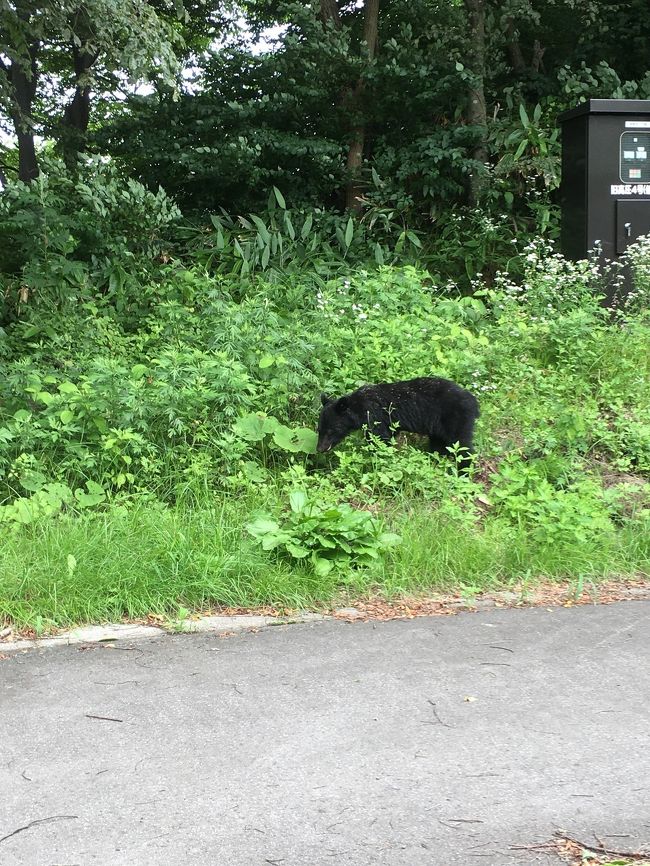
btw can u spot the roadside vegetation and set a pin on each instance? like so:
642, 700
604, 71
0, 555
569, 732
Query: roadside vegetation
183, 273
166, 457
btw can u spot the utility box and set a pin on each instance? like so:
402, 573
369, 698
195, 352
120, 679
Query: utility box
605, 189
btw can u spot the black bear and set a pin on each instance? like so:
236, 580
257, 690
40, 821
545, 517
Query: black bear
437, 408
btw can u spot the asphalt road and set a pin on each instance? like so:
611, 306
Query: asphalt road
444, 740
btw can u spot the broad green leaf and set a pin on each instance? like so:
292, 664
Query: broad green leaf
290, 229
93, 495
25, 511
251, 427
32, 480
389, 539
349, 232
270, 424
523, 114
279, 198
262, 526
58, 492
306, 227
301, 439
254, 472
270, 541
297, 550
297, 500
262, 229
322, 567
324, 541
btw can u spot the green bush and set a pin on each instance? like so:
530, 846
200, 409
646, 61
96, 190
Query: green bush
328, 534
69, 237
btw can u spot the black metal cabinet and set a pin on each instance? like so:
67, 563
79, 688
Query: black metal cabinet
605, 190
632, 221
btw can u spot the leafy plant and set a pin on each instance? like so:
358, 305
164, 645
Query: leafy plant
555, 514
328, 535
48, 499
71, 237
256, 426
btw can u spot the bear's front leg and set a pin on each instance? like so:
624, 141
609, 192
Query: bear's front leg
378, 430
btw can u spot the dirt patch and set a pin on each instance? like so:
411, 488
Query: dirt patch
578, 853
543, 595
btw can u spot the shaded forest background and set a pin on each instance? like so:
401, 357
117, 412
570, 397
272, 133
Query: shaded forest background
431, 124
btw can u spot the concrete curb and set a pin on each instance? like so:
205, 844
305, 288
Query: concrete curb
250, 622
132, 632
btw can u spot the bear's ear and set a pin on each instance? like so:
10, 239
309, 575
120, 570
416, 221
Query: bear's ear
325, 399
342, 405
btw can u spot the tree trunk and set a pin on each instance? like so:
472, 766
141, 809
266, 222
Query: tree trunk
77, 113
329, 11
353, 191
476, 114
27, 162
21, 74
517, 61
514, 48
24, 90
537, 62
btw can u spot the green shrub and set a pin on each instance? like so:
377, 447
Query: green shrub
70, 237
328, 534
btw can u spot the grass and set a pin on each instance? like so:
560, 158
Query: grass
152, 558
436, 553
145, 559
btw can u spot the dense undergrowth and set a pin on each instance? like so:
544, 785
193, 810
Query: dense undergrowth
160, 454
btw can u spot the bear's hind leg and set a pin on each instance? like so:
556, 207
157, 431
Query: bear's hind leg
438, 446
465, 440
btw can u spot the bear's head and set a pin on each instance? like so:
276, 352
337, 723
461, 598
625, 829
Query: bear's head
337, 419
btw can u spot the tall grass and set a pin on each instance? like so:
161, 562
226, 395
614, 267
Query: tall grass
151, 558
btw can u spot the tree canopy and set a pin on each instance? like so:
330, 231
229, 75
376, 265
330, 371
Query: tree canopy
413, 108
